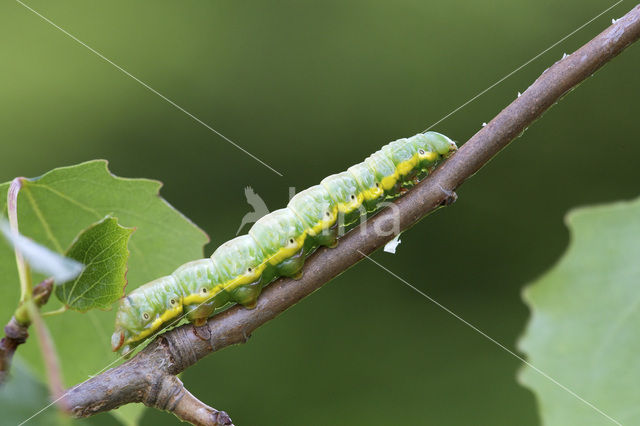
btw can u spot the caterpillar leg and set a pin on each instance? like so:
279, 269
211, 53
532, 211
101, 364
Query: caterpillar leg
247, 295
292, 267
327, 238
198, 314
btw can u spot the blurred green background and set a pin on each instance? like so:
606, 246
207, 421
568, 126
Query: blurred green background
310, 88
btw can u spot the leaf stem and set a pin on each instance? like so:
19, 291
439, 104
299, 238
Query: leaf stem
24, 272
58, 311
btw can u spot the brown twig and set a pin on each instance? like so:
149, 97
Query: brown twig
150, 376
16, 330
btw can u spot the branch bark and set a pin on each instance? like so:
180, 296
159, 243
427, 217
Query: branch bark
150, 376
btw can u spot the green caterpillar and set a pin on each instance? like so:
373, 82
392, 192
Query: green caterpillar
278, 243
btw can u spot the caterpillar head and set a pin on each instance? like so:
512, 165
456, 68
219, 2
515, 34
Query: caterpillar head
144, 311
117, 342
131, 321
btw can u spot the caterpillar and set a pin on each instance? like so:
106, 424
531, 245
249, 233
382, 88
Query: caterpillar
278, 243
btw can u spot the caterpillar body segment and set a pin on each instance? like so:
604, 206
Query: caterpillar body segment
281, 235
278, 243
347, 195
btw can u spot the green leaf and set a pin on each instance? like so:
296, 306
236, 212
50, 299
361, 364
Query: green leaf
53, 210
583, 330
102, 248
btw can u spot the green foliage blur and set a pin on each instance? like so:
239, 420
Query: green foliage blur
583, 327
311, 88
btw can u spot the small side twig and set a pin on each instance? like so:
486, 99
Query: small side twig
16, 331
149, 377
175, 398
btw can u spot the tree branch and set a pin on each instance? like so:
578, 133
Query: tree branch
16, 331
150, 376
